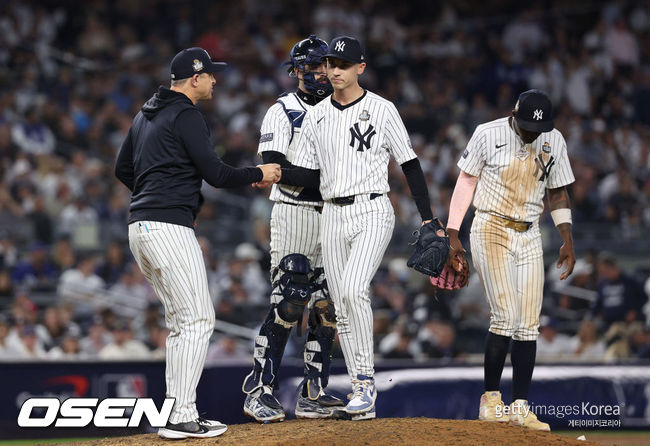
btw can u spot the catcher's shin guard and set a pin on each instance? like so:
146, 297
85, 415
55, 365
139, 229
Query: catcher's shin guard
291, 293
318, 348
269, 348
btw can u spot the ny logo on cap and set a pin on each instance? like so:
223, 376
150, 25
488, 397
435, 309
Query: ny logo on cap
537, 114
340, 45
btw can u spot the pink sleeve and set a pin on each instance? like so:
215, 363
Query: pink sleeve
461, 199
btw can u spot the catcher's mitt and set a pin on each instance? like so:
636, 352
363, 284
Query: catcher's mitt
449, 278
431, 249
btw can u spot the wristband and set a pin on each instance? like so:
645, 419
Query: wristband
560, 216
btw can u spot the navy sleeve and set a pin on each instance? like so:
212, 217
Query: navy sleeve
301, 176
193, 132
124, 163
418, 185
272, 156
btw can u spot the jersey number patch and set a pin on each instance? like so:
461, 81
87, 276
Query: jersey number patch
364, 139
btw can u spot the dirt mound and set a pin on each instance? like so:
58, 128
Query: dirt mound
381, 431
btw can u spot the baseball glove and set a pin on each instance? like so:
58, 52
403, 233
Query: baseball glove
451, 279
431, 249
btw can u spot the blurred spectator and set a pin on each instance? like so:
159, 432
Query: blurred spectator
123, 346
399, 342
50, 332
6, 350
36, 272
550, 343
131, 295
472, 313
157, 341
80, 286
98, 338
6, 286
32, 136
8, 251
438, 340
619, 339
27, 345
63, 255
226, 349
69, 348
246, 266
113, 265
620, 297
586, 344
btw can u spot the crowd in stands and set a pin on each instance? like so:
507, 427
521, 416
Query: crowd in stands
72, 78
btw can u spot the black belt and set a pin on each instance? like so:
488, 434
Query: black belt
344, 201
318, 209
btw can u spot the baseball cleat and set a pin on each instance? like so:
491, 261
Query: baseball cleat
364, 395
200, 428
492, 408
263, 407
341, 414
306, 408
521, 415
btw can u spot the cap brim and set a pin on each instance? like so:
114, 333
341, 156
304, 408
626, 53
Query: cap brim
537, 127
338, 56
217, 66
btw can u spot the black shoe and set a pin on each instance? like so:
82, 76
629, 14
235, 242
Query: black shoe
200, 428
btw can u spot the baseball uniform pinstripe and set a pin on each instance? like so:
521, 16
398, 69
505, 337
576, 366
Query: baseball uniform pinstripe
294, 229
351, 145
513, 177
170, 258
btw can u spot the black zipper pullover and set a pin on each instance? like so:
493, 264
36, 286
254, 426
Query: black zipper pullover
166, 155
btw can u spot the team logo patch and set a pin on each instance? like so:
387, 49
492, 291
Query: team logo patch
364, 116
365, 139
546, 148
340, 46
197, 65
266, 137
537, 114
465, 153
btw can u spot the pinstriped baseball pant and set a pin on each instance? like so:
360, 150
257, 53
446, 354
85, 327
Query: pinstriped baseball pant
170, 258
354, 238
511, 268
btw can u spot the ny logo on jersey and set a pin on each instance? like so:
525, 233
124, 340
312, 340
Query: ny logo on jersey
537, 114
545, 169
364, 140
340, 46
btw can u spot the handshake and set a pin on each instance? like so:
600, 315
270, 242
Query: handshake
271, 175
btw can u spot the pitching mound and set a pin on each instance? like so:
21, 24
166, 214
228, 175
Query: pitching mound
382, 431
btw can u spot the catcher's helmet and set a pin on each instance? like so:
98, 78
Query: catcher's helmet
309, 52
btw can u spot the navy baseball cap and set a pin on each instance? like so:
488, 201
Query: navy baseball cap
346, 48
193, 61
534, 111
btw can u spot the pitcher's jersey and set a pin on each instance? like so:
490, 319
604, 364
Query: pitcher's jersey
352, 144
280, 132
512, 175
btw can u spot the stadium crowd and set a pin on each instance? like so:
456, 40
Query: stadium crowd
72, 76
